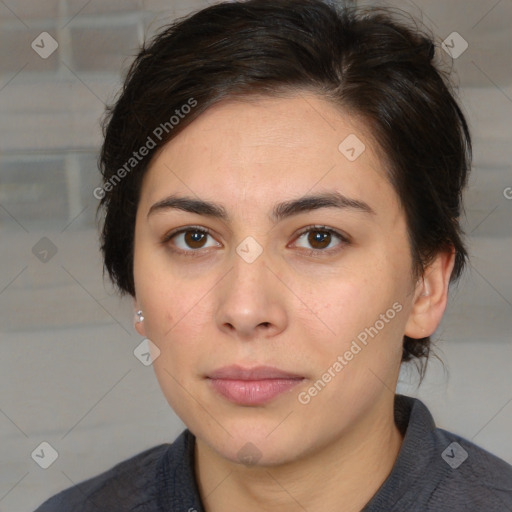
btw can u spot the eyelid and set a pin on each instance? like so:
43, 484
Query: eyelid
184, 229
192, 252
344, 239
319, 227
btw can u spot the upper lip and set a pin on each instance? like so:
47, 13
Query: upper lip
236, 372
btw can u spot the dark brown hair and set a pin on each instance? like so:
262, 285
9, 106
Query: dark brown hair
369, 63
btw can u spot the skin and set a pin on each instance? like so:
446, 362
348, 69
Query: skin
290, 308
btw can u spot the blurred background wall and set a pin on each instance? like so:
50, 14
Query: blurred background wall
68, 373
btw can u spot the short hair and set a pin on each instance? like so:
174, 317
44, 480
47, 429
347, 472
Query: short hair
370, 63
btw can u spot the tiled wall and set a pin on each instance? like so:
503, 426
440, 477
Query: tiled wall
51, 101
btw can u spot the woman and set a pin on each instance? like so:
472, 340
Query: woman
282, 192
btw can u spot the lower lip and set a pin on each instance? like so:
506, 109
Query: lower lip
252, 392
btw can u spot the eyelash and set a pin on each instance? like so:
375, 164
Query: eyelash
312, 252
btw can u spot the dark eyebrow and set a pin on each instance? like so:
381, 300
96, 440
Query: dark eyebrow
279, 212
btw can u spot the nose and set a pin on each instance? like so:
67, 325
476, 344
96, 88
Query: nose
251, 300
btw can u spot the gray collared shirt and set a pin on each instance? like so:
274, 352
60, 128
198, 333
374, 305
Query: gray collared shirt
435, 471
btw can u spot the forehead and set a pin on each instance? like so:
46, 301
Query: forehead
256, 149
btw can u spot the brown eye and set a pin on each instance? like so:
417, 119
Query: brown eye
321, 240
195, 239
190, 240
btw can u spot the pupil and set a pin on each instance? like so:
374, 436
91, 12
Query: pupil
195, 238
319, 237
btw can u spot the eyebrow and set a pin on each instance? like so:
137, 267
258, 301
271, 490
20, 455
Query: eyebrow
279, 212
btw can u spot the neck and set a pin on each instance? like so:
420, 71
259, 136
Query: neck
348, 470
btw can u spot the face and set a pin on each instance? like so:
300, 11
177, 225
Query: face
278, 325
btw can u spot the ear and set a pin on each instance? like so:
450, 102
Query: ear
430, 297
139, 326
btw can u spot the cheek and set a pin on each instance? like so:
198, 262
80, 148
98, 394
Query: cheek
351, 298
165, 297
347, 308
176, 316
364, 305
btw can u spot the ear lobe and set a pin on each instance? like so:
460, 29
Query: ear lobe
430, 297
139, 324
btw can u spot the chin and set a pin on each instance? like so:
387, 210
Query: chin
252, 444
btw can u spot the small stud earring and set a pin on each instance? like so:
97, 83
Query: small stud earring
139, 317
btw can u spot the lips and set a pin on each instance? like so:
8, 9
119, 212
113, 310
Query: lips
257, 373
252, 386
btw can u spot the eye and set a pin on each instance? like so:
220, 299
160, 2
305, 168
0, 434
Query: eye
189, 240
321, 239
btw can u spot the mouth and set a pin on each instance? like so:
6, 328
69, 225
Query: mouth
252, 386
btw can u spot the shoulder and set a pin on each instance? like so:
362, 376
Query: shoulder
470, 475
439, 471
444, 471
129, 485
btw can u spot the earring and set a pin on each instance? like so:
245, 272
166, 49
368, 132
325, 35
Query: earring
139, 317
